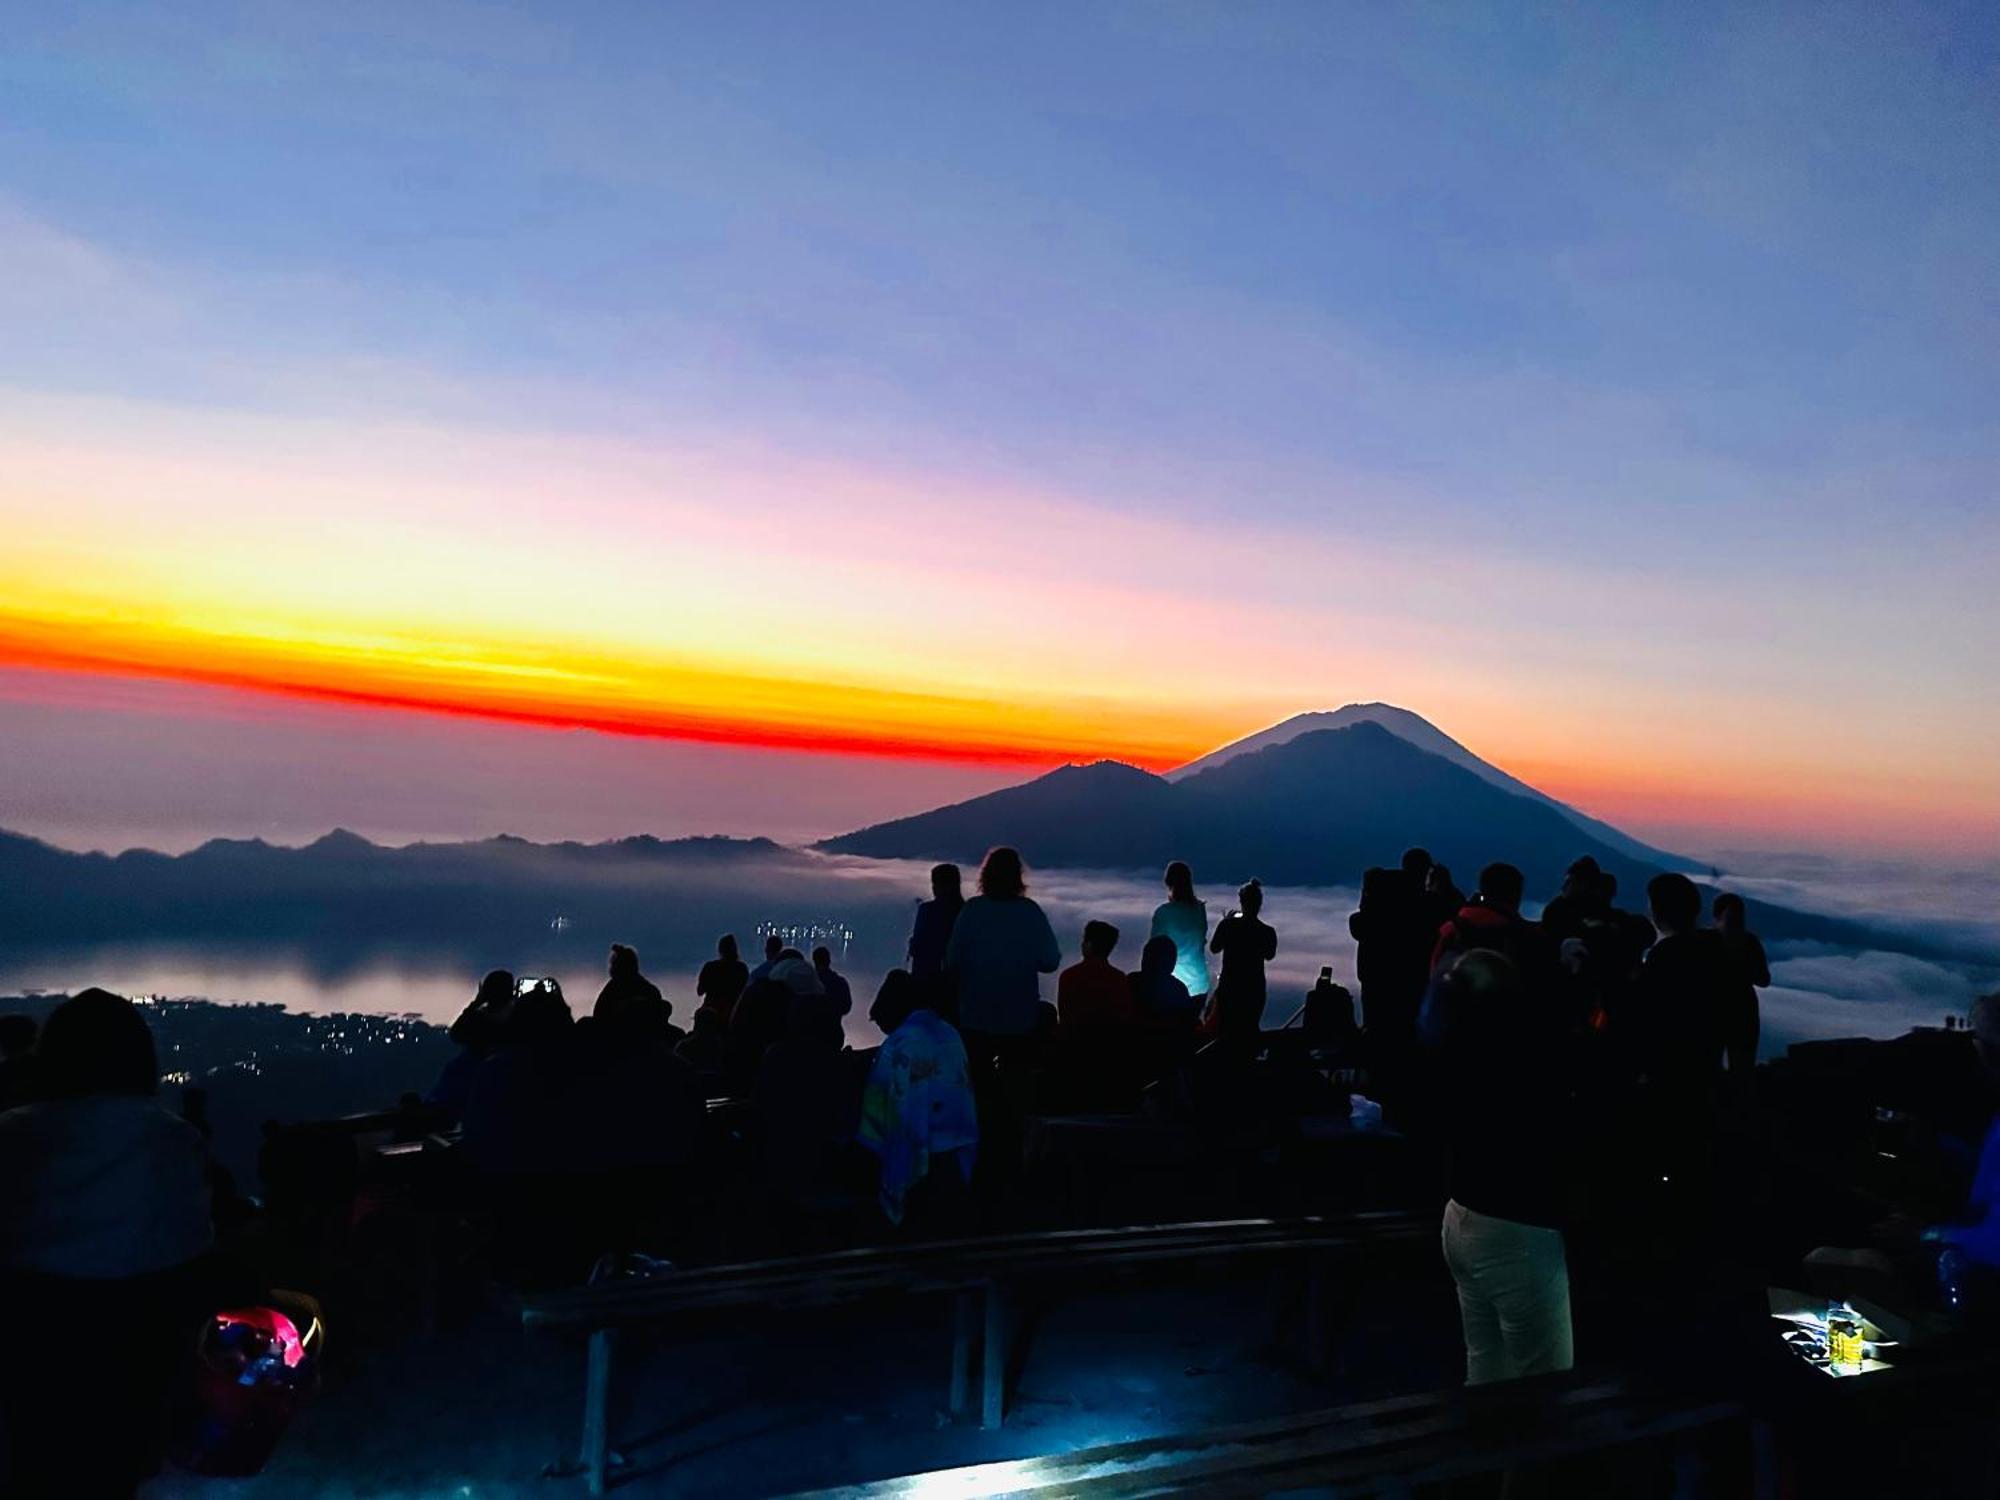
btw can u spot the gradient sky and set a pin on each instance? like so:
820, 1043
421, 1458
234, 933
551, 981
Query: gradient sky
783, 416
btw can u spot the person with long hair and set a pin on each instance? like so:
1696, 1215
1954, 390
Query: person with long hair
1000, 947
1183, 918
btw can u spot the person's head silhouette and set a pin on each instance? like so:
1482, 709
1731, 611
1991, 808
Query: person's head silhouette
822, 957
1180, 881
947, 882
623, 963
1584, 878
1001, 874
98, 1043
1250, 898
1730, 916
1417, 864
1099, 939
725, 947
1488, 978
1437, 879
899, 995
1158, 957
540, 1015
773, 946
1500, 887
1675, 902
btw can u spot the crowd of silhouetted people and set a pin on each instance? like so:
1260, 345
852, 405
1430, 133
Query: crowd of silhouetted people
1580, 1074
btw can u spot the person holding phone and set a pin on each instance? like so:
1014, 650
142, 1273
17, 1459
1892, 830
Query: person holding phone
1246, 944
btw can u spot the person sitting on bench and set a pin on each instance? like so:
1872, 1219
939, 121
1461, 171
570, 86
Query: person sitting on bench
918, 1105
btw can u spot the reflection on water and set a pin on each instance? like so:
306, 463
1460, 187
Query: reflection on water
860, 908
316, 1058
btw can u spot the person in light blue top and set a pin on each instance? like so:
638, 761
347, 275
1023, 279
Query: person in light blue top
1183, 918
1000, 946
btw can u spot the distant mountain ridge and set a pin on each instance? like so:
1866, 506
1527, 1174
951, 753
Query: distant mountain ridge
1425, 735
342, 884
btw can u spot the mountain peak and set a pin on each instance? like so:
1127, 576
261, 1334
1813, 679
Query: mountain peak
1415, 729
340, 841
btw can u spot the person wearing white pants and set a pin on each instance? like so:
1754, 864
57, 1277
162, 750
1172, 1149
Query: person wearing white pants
1513, 1295
1505, 1114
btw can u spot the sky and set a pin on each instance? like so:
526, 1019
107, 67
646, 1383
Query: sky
769, 418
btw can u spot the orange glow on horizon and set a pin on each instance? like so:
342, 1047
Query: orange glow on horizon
612, 698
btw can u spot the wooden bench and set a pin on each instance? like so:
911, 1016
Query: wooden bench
975, 1271
1372, 1448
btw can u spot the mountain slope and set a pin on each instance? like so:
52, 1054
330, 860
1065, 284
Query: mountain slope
1312, 810
1107, 814
1315, 808
1322, 807
1425, 735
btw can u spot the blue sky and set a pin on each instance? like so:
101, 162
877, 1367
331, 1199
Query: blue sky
1701, 300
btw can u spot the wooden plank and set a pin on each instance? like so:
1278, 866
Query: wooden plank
596, 1453
1408, 1442
1070, 1240
993, 1382
965, 1323
953, 1265
667, 1296
1424, 1413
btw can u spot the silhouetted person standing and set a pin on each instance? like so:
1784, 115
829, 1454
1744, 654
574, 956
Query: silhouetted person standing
1675, 1027
1393, 937
763, 1013
1246, 945
1000, 945
722, 979
1183, 918
930, 935
1504, 1106
1442, 897
1687, 1000
839, 993
1753, 971
1581, 899
104, 1228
